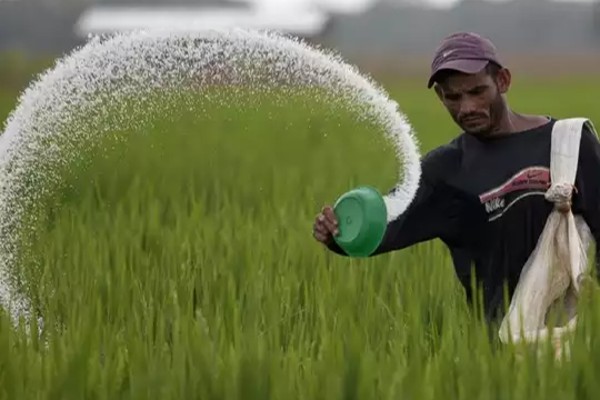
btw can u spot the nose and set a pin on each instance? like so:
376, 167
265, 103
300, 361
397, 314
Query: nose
467, 106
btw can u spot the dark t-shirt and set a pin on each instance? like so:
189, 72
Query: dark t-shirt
484, 198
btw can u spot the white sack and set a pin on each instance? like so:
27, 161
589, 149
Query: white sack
553, 273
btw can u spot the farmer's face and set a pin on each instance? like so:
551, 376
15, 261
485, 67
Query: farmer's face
475, 102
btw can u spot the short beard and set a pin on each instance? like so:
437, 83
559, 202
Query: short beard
496, 113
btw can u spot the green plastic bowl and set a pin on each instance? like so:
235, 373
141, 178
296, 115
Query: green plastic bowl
362, 221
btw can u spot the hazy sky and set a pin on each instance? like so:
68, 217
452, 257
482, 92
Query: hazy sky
358, 5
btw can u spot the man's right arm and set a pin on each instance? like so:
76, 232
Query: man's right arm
431, 214
420, 222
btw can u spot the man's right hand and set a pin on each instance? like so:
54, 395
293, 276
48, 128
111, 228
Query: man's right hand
325, 226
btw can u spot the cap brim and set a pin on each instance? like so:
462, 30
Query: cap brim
464, 66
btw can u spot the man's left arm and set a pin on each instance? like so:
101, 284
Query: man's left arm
587, 198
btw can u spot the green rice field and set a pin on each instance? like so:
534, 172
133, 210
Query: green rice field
178, 263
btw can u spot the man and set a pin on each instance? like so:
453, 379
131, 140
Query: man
482, 193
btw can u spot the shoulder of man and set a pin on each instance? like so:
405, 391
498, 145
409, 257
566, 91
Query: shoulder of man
589, 134
442, 161
588, 128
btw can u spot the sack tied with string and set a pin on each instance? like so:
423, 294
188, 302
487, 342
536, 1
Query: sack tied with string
552, 276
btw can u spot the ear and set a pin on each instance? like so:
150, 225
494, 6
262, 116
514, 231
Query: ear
503, 80
439, 91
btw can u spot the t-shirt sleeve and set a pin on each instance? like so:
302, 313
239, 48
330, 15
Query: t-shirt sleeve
427, 217
587, 198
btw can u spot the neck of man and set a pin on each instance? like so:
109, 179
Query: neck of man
512, 122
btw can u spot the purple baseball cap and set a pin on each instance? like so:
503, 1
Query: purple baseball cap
464, 52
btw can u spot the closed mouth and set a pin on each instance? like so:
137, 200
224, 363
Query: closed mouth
472, 119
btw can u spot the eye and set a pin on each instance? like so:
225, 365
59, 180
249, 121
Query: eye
452, 97
478, 90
